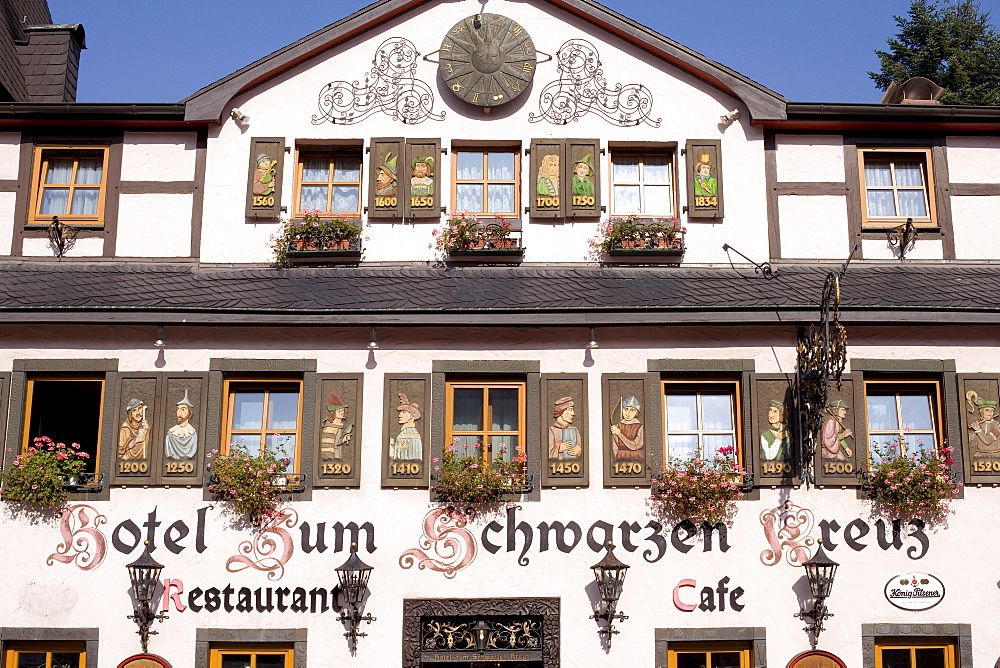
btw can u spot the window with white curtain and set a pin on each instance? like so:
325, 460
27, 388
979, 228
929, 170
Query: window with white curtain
70, 182
897, 185
486, 181
701, 420
642, 183
329, 182
486, 418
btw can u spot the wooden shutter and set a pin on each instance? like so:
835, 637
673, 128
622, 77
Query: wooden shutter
337, 457
406, 466
420, 179
564, 465
267, 160
776, 453
134, 441
582, 195
704, 191
182, 462
386, 159
547, 178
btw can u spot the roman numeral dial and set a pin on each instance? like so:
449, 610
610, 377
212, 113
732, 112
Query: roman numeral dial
487, 59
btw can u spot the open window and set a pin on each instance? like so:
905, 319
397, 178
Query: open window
67, 410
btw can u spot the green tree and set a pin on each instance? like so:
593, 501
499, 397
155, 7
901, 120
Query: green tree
954, 45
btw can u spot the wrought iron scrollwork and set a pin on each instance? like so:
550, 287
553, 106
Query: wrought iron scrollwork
504, 634
581, 89
903, 238
391, 87
821, 357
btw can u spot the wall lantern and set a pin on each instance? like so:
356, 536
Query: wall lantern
481, 632
820, 570
610, 575
372, 339
593, 339
144, 573
353, 577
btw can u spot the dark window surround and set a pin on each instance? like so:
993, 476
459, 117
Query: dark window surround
18, 387
660, 369
442, 370
961, 633
414, 609
221, 368
88, 636
114, 185
952, 405
204, 638
755, 635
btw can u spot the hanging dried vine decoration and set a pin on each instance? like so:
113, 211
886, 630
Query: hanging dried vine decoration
581, 89
391, 88
822, 357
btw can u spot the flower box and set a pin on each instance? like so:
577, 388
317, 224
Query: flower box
635, 236
466, 237
83, 482
312, 238
300, 249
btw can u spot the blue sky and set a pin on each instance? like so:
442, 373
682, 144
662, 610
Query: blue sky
164, 50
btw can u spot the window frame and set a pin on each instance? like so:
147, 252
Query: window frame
486, 181
74, 151
330, 152
709, 648
733, 384
643, 151
265, 385
899, 386
890, 152
217, 651
449, 431
29, 396
12, 649
912, 644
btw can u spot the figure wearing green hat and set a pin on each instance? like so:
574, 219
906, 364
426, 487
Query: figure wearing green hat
834, 434
385, 176
985, 436
583, 169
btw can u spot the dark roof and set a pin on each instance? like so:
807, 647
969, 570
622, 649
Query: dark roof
15, 15
551, 295
212, 101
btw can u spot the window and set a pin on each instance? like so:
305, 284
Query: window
69, 182
67, 410
490, 414
898, 185
329, 182
486, 182
701, 418
642, 183
708, 655
45, 655
903, 417
252, 656
913, 653
263, 415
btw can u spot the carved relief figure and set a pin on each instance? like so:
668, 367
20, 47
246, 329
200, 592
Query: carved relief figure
705, 184
385, 176
133, 431
337, 430
626, 436
834, 435
583, 169
182, 438
548, 176
408, 444
774, 439
985, 436
422, 177
263, 180
564, 438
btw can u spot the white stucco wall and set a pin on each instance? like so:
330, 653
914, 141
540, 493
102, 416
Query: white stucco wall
82, 247
973, 159
771, 592
158, 156
973, 239
810, 158
10, 150
154, 225
7, 202
285, 105
813, 226
924, 249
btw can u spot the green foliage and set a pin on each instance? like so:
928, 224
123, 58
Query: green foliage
644, 232
313, 230
699, 489
918, 485
470, 479
954, 45
36, 476
463, 230
246, 482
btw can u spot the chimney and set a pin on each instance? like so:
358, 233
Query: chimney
50, 61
